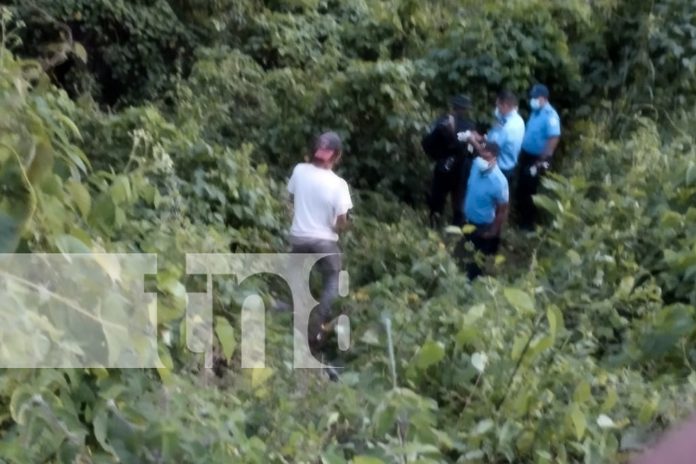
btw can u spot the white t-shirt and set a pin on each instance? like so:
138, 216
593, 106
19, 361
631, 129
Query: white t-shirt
320, 197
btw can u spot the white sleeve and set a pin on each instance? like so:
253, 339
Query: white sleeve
343, 200
291, 183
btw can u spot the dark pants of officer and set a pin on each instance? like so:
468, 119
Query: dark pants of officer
527, 187
486, 246
448, 181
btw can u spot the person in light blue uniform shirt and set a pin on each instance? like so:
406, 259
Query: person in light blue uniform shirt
541, 138
486, 204
508, 132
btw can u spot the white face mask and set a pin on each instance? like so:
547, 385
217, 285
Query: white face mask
535, 104
481, 164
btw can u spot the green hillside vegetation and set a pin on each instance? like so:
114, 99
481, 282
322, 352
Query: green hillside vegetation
171, 126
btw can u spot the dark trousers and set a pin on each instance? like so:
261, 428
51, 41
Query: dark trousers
330, 268
487, 246
527, 187
449, 183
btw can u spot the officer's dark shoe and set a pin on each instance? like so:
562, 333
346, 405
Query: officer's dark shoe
332, 372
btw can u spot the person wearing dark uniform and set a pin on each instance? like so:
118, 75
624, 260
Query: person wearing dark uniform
540, 141
466, 153
452, 159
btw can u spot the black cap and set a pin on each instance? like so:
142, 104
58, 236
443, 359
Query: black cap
539, 90
327, 145
460, 102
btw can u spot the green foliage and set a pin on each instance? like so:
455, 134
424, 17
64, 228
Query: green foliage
579, 348
133, 48
499, 47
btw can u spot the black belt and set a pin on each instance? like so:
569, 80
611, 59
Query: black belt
526, 154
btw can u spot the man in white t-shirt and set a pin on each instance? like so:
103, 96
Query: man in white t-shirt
321, 201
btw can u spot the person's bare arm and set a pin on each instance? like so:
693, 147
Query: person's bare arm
550, 148
342, 223
477, 143
501, 213
291, 205
476, 140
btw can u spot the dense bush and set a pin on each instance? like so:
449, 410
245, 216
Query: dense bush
134, 49
577, 348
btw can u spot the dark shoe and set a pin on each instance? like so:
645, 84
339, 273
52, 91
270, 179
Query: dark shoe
332, 373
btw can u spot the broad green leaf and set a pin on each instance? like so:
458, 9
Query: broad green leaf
166, 370
80, 52
121, 190
443, 439
579, 421
80, 196
103, 212
16, 205
583, 393
225, 334
610, 401
332, 456
77, 158
691, 173
625, 287
19, 402
574, 257
518, 345
42, 162
367, 460
475, 313
519, 299
260, 376
671, 219
333, 418
466, 336
75, 132
430, 354
538, 346
525, 441
546, 203
555, 318
647, 412
370, 337
100, 426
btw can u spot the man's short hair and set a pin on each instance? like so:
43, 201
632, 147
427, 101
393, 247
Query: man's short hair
507, 97
493, 148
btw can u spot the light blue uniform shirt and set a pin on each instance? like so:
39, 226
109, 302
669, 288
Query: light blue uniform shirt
485, 191
543, 124
508, 133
